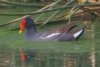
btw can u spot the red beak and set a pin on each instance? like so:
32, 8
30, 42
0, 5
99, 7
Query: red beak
22, 26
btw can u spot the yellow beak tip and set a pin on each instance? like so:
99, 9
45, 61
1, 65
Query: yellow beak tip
20, 32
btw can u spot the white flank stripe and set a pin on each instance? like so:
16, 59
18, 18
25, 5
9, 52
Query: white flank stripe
52, 35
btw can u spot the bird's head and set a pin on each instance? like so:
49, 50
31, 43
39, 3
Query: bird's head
26, 23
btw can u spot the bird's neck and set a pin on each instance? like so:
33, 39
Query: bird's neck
31, 31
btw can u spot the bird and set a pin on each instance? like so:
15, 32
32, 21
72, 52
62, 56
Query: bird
70, 32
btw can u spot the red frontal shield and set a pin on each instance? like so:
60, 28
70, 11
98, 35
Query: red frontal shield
22, 26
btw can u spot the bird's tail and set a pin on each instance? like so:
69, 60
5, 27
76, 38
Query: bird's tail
78, 32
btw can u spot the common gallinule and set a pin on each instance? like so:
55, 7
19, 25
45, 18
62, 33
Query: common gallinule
67, 33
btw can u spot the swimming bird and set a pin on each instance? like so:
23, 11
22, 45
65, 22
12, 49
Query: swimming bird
69, 32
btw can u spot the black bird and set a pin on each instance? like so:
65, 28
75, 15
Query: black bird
69, 32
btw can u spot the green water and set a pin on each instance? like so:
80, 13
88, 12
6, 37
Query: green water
45, 54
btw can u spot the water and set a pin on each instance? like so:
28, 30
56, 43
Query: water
11, 57
79, 53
